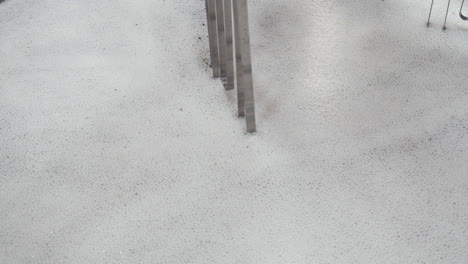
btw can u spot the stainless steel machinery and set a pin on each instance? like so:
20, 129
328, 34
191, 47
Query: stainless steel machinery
229, 38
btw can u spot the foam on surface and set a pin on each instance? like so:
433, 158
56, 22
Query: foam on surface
117, 147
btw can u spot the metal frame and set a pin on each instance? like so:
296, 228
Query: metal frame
463, 17
229, 38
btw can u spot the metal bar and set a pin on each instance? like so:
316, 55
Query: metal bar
238, 62
221, 37
229, 84
245, 80
430, 13
446, 15
213, 36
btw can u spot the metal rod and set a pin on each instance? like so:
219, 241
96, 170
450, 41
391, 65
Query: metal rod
430, 13
446, 15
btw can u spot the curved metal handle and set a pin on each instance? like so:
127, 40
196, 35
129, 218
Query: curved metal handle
461, 14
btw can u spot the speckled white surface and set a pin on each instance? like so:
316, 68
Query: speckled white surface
117, 147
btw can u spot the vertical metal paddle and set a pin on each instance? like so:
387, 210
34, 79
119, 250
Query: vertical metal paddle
245, 79
213, 36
